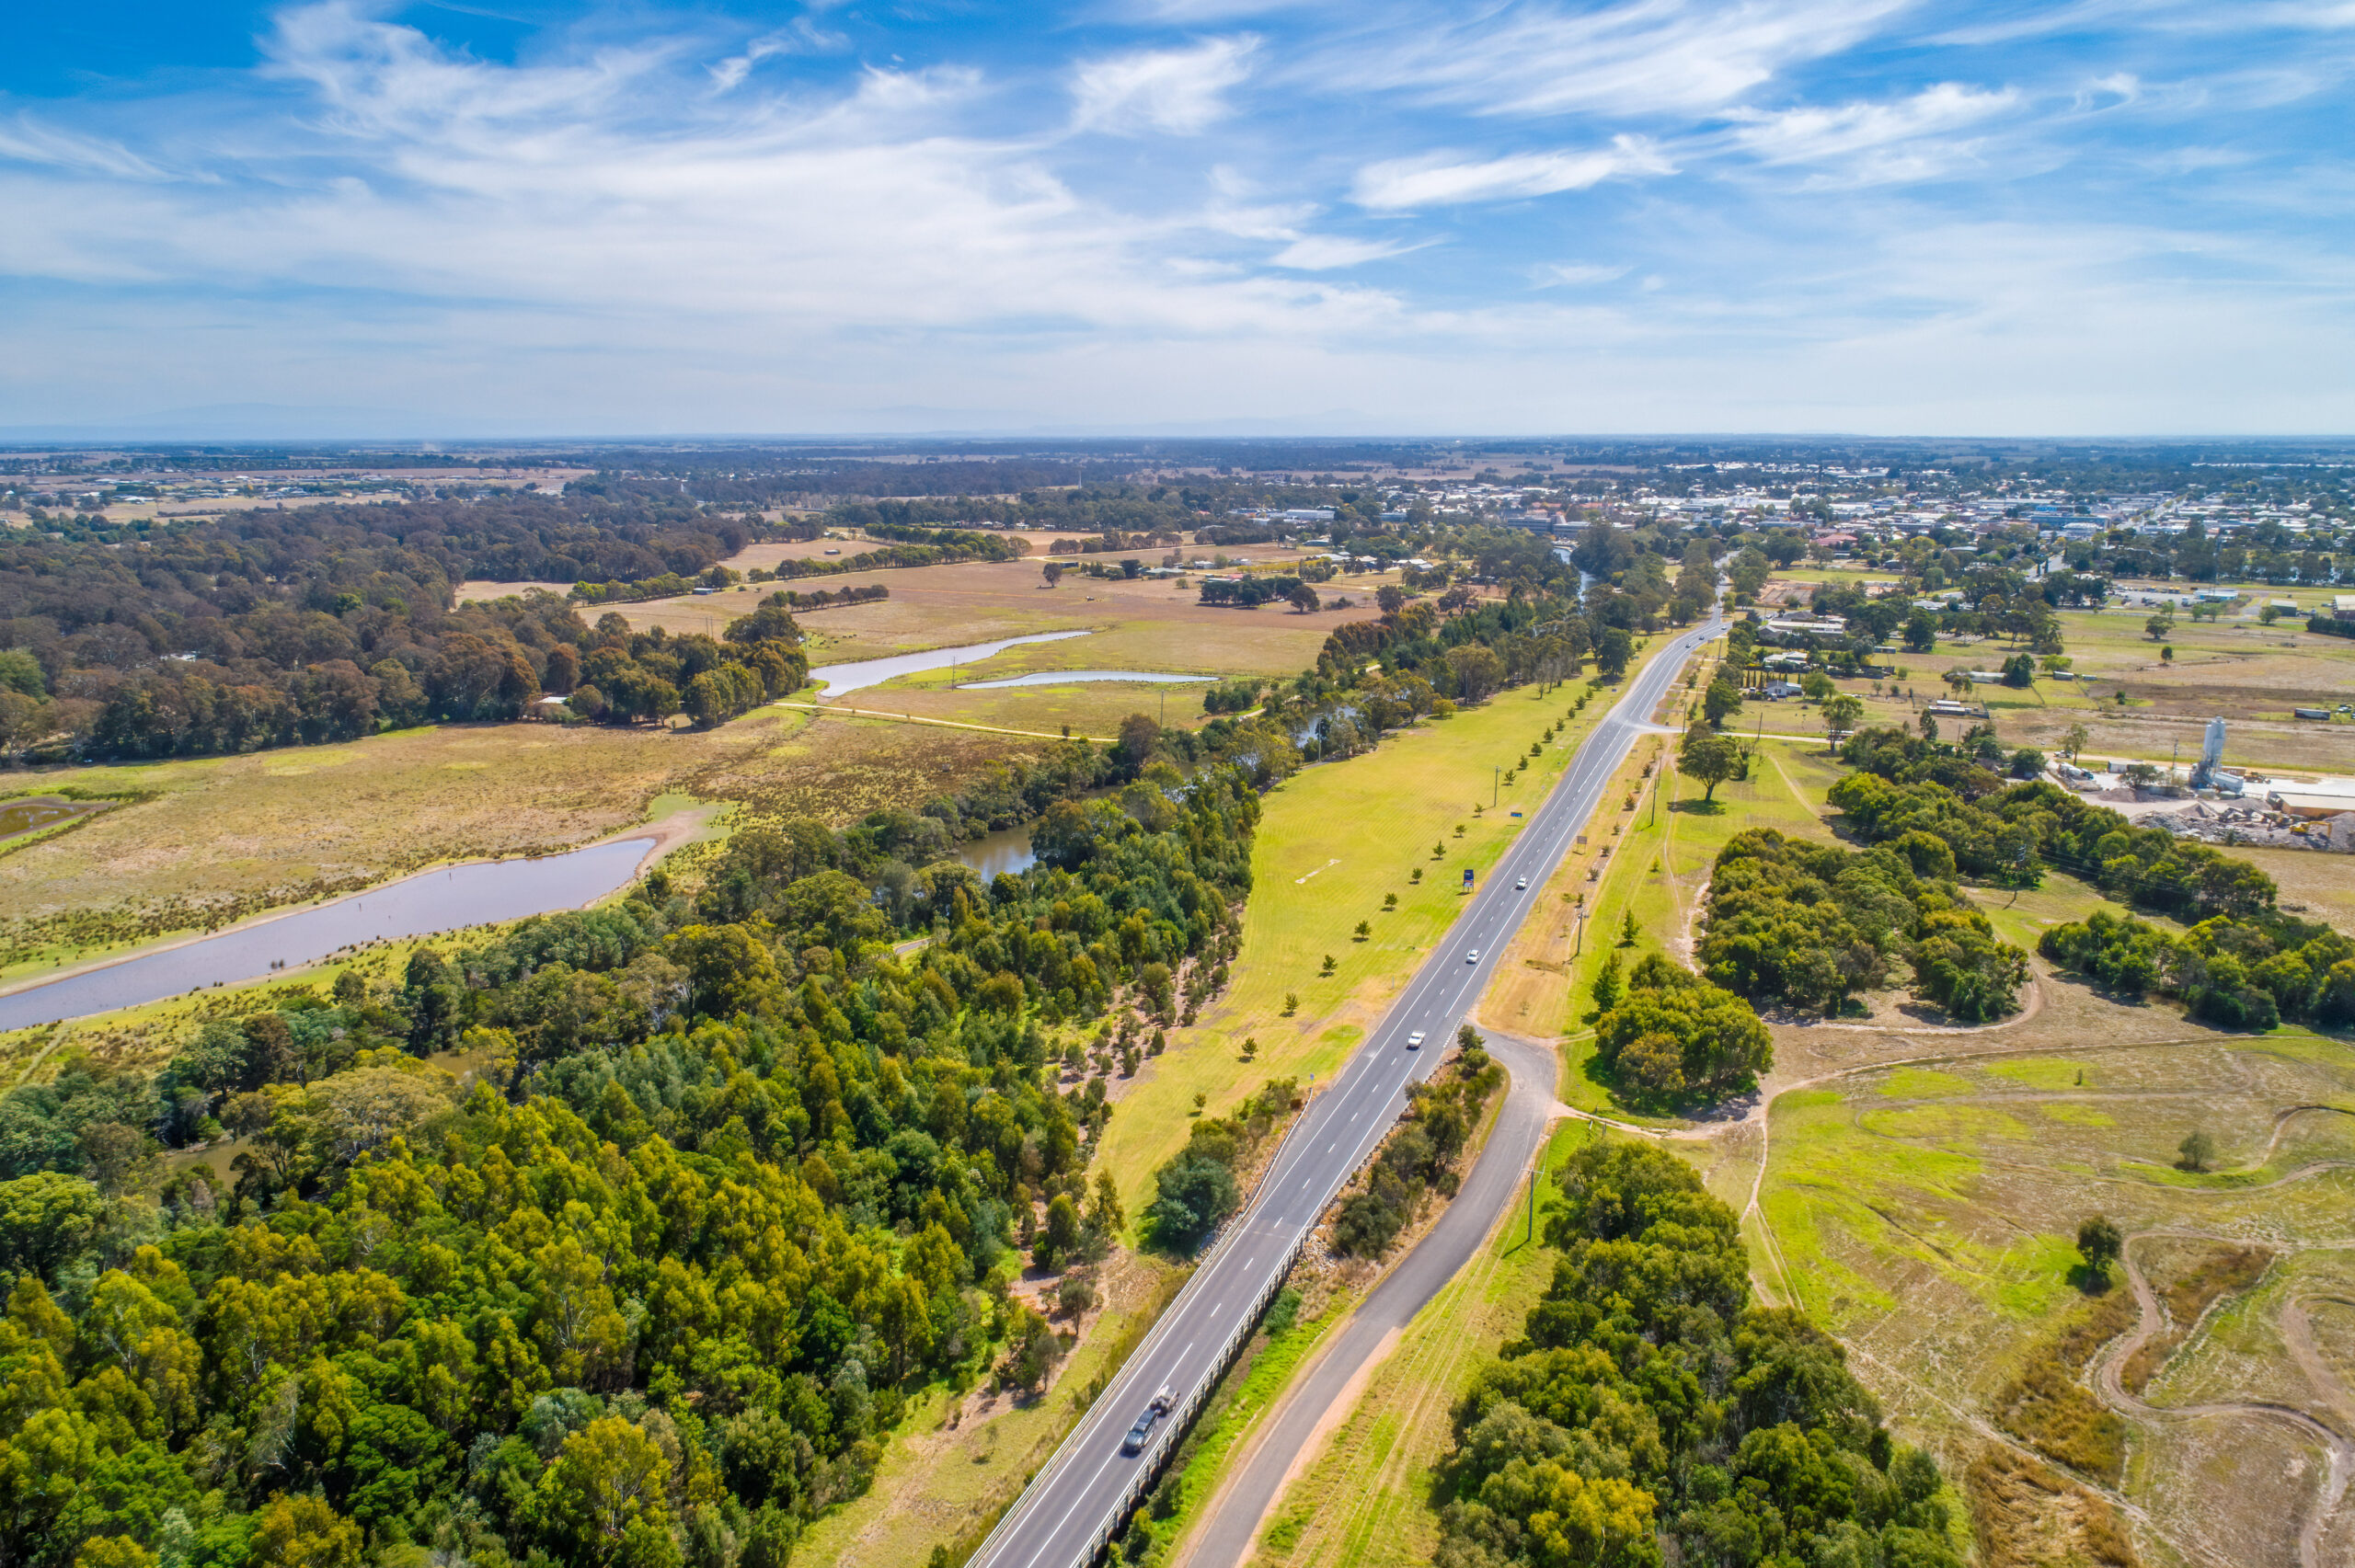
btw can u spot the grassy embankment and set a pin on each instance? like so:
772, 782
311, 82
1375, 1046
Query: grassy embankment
1333, 841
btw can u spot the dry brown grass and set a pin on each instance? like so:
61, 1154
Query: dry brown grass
1144, 624
2060, 1417
2026, 1515
2186, 1298
217, 838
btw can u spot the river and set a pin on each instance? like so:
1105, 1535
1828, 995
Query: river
839, 679
477, 894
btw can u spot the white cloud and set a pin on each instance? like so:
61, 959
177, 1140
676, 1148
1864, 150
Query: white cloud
1322, 253
1574, 274
1912, 138
804, 37
1178, 90
1434, 182
31, 141
1526, 57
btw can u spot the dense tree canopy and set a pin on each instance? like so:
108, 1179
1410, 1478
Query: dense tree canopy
1649, 1406
738, 1178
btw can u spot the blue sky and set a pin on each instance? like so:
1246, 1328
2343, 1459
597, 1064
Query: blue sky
2077, 217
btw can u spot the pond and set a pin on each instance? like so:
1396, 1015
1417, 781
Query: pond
1074, 677
457, 895
1008, 850
839, 679
32, 814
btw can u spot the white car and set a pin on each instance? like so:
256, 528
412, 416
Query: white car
1415, 1041
1473, 956
1520, 886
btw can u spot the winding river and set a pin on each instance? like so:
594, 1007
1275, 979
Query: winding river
476, 894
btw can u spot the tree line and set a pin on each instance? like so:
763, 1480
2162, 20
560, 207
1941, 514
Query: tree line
2235, 973
269, 628
1650, 1412
1811, 925
2005, 832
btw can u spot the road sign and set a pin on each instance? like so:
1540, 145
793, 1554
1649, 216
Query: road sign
1468, 880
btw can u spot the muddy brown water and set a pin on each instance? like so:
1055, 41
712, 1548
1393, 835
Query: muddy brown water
36, 812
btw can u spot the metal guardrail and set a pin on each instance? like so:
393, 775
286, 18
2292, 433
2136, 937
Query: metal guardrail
1183, 1416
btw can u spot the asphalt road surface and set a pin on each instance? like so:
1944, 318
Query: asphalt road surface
1495, 1184
1068, 1507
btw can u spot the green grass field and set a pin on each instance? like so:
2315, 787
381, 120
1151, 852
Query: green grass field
1333, 841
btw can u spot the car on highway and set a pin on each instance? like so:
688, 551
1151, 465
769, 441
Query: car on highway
1415, 1041
1473, 956
1153, 1411
1521, 885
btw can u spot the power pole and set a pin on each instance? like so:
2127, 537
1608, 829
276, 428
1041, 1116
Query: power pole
1533, 1203
1496, 776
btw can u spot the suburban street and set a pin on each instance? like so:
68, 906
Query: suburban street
1084, 1492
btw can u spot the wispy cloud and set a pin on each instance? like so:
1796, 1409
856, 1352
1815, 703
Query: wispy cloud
1437, 181
1178, 90
31, 141
804, 37
1323, 253
1130, 211
1875, 142
1574, 274
1532, 58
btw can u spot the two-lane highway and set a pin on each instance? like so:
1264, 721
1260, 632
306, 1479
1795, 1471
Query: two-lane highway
1071, 1507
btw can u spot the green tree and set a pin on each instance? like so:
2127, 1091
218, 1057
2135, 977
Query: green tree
2196, 1151
1032, 1350
2099, 1243
1610, 983
1478, 670
1614, 651
113, 1551
1921, 632
304, 1532
1841, 713
607, 1479
1709, 757
1720, 702
1060, 1237
46, 1220
1816, 686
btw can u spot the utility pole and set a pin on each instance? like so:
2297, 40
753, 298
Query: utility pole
1533, 1203
1496, 776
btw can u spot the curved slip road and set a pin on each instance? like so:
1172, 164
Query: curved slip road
1234, 1515
1085, 1492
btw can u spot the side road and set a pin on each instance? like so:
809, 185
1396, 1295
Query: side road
1291, 1433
